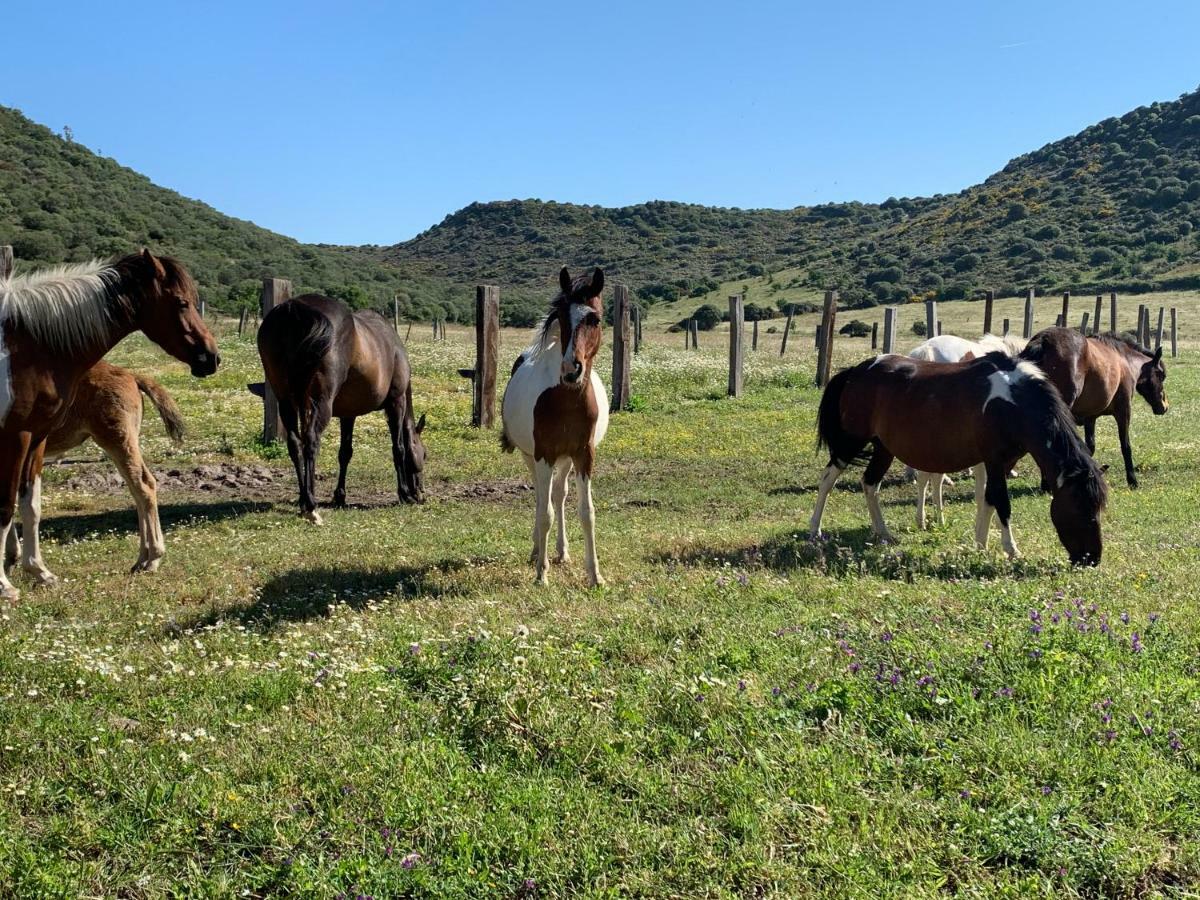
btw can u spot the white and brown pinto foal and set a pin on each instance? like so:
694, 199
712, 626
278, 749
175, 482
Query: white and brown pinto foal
949, 348
54, 326
555, 412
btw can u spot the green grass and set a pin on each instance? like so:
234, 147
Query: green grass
387, 705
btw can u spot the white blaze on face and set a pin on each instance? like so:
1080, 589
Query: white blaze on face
6, 388
576, 313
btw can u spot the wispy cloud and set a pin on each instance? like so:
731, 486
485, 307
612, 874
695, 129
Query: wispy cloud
1017, 44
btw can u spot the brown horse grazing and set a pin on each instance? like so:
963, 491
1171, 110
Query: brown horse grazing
107, 407
944, 417
1097, 376
555, 412
324, 360
54, 326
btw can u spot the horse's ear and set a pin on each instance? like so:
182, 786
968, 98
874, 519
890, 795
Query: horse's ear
564, 280
597, 286
968, 356
1104, 468
1157, 354
420, 424
151, 260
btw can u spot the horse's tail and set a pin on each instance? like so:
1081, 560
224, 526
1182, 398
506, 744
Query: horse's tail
168, 411
304, 357
829, 413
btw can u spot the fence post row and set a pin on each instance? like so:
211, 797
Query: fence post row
621, 348
487, 350
737, 322
274, 292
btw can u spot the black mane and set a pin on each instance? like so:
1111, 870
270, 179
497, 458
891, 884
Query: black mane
1123, 341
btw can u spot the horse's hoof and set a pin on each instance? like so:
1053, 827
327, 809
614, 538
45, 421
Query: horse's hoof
339, 501
145, 565
540, 580
10, 593
45, 578
1133, 484
562, 559
312, 516
597, 581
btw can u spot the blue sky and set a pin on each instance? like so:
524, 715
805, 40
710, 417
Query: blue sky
369, 122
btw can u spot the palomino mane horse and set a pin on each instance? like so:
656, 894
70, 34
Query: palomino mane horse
54, 326
991, 410
322, 360
949, 348
107, 407
555, 411
1098, 376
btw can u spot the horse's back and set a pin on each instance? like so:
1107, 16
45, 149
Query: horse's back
376, 368
300, 339
945, 348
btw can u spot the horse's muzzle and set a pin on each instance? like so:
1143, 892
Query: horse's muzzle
571, 376
205, 363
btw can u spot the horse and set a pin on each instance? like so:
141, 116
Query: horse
949, 348
57, 324
555, 411
1097, 376
323, 359
107, 407
988, 413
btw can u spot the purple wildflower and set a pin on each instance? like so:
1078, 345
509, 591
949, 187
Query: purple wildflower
886, 637
775, 692
964, 794
1135, 643
1005, 692
1125, 618
741, 684
414, 648
1154, 617
1046, 790
410, 860
1173, 740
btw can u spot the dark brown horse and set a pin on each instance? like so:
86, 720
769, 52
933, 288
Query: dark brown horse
944, 417
54, 326
1098, 376
324, 360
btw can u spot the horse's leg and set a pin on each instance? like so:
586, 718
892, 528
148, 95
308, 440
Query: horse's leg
310, 448
345, 452
31, 517
983, 511
939, 482
532, 477
12, 549
881, 458
1121, 413
587, 517
832, 472
291, 426
1089, 434
12, 460
558, 505
126, 455
923, 479
544, 475
997, 497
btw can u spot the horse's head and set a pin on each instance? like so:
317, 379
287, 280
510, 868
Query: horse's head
167, 310
1079, 497
1150, 383
412, 462
579, 312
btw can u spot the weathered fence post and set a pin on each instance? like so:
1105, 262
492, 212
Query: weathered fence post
435, 329
874, 335
487, 350
939, 328
1174, 335
1112, 311
817, 338
1006, 328
1066, 311
1027, 326
242, 321
988, 300
930, 318
274, 292
787, 328
825, 351
6, 261
1142, 327
636, 312
889, 329
1084, 324
443, 329
754, 338
1058, 321
1158, 331
737, 321
396, 313
621, 349
1099, 310
695, 335
687, 334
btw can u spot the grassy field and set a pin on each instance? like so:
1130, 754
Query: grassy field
388, 706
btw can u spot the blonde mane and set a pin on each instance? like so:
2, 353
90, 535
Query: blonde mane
68, 308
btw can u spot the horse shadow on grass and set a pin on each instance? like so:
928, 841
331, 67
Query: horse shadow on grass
301, 595
69, 527
855, 552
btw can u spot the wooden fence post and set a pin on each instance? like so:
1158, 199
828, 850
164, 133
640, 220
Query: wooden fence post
930, 318
754, 338
695, 335
889, 329
828, 326
1006, 328
1174, 334
435, 329
787, 328
1099, 311
874, 335
1158, 331
737, 321
242, 321
1027, 326
274, 292
1084, 324
687, 334
487, 350
1142, 328
988, 300
636, 312
1112, 311
396, 313
1066, 310
6, 261
1058, 321
939, 328
621, 349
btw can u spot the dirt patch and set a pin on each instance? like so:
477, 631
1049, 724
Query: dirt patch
502, 490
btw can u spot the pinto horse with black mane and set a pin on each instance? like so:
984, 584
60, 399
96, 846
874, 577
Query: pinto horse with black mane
55, 325
323, 359
1098, 376
944, 417
555, 411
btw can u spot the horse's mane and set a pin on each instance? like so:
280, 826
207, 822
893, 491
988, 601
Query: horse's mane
1038, 396
544, 336
1123, 341
66, 307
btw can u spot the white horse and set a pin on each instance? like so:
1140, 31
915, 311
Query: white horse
949, 348
555, 411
